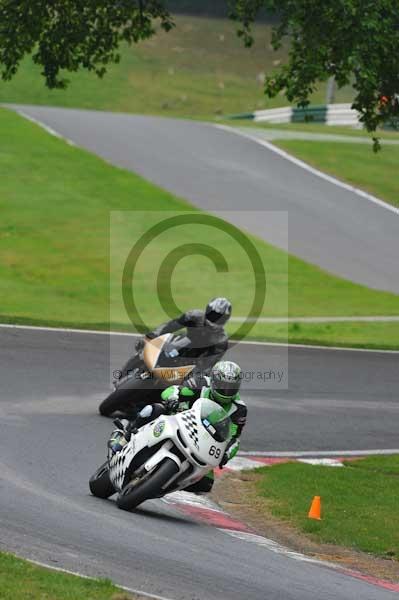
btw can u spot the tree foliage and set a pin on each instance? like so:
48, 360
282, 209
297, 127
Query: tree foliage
356, 41
73, 34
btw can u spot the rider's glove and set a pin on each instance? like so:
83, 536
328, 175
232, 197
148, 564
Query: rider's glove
224, 460
170, 398
171, 405
191, 383
230, 453
140, 344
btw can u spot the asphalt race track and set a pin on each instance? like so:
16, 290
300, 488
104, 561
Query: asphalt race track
53, 439
52, 381
219, 170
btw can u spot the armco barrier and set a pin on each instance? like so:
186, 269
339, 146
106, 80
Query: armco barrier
330, 114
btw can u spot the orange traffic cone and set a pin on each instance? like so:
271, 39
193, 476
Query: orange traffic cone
315, 509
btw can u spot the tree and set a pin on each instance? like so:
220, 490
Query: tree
356, 41
73, 34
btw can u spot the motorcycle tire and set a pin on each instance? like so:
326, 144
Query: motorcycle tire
149, 486
117, 401
100, 484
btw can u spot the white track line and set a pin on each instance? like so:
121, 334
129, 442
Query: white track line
283, 550
241, 463
307, 167
315, 319
276, 547
247, 342
68, 330
49, 130
321, 462
77, 574
190, 499
316, 453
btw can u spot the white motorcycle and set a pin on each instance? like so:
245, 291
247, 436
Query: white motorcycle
168, 454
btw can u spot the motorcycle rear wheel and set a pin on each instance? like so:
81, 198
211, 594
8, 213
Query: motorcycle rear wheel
149, 486
100, 484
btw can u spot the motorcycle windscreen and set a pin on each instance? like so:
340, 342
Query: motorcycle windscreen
215, 420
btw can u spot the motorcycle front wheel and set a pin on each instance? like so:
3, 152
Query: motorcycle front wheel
100, 484
137, 491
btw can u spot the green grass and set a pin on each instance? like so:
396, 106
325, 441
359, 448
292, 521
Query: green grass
200, 69
354, 163
359, 502
388, 464
55, 203
21, 580
377, 335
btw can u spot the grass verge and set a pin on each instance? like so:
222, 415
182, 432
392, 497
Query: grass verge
356, 334
22, 580
199, 69
359, 502
55, 203
354, 163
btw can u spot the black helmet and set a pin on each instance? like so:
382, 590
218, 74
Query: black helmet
218, 311
225, 381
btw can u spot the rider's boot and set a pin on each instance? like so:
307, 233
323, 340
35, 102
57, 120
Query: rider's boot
117, 441
203, 486
120, 436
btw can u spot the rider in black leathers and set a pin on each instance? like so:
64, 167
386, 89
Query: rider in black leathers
205, 329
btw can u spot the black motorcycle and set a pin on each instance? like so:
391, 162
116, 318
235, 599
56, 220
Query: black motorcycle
163, 361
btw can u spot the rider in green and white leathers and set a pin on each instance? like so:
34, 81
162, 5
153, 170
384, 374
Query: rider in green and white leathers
178, 398
222, 387
236, 409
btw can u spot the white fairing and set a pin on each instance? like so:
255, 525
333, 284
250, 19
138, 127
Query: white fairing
184, 431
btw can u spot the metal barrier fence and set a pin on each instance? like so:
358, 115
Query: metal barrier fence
330, 114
